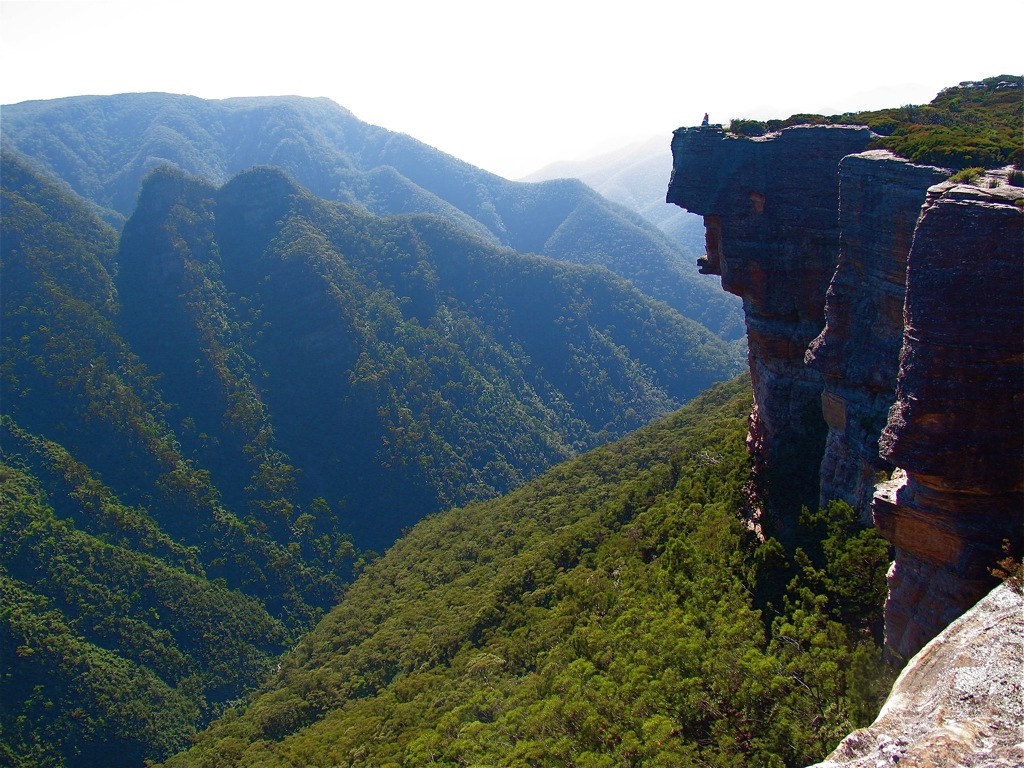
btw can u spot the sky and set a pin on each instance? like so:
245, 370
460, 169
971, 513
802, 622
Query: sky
514, 86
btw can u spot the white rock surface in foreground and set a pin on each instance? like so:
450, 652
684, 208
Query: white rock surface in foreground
959, 703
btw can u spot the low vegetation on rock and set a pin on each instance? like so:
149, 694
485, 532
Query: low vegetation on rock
974, 124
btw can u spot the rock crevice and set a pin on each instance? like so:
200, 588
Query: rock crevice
858, 351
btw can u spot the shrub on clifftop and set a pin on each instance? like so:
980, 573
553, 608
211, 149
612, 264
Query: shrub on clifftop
976, 123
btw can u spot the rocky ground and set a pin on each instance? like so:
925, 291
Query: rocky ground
959, 703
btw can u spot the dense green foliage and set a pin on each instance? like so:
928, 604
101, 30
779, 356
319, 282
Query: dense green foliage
400, 365
120, 628
104, 146
198, 418
78, 401
105, 648
974, 124
602, 615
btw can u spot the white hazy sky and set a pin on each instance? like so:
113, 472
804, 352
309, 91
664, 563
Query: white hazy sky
513, 86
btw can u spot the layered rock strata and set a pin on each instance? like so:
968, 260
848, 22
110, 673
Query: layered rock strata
770, 212
956, 427
925, 314
858, 352
959, 702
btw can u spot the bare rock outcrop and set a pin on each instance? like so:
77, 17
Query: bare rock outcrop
957, 423
859, 350
959, 703
770, 213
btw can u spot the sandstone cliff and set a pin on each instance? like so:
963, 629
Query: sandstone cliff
922, 286
959, 702
769, 208
858, 351
957, 423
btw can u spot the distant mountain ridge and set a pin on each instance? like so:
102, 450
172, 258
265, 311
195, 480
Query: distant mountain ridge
635, 176
103, 146
414, 306
213, 286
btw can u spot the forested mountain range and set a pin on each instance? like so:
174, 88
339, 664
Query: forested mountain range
214, 407
635, 176
363, 343
116, 626
246, 342
103, 146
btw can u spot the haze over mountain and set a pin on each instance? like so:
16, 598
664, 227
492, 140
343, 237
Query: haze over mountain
104, 146
635, 176
506, 91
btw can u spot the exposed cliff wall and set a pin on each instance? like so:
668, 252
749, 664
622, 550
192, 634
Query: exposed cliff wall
959, 702
858, 352
957, 424
925, 316
769, 207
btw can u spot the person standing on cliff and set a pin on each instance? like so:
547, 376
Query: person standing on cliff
704, 122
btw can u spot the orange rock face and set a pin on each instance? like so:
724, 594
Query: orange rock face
957, 426
920, 366
770, 208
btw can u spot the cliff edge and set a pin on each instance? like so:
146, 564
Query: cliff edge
769, 208
959, 702
955, 428
885, 319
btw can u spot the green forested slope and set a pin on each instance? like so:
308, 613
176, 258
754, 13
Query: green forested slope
77, 402
198, 416
614, 612
108, 650
389, 366
636, 176
135, 603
